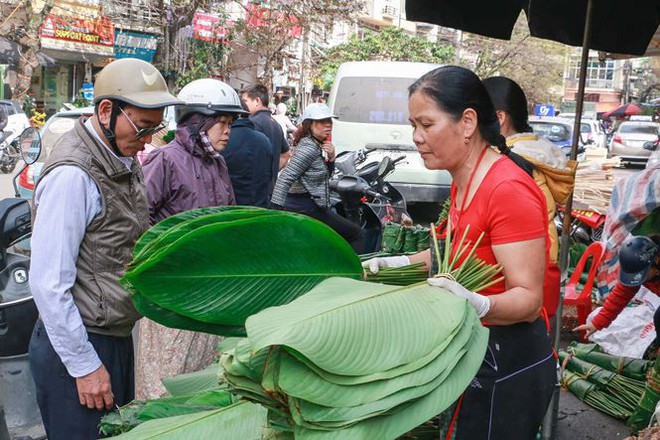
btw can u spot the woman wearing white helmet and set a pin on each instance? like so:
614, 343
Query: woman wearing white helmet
187, 173
302, 186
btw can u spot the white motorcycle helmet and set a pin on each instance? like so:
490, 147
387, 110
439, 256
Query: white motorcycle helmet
209, 97
317, 112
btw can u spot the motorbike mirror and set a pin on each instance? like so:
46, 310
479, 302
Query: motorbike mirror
30, 145
651, 146
384, 166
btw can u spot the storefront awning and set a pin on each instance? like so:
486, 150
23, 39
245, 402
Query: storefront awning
10, 54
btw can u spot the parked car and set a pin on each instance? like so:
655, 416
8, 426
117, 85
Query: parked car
592, 133
559, 131
654, 159
56, 126
629, 139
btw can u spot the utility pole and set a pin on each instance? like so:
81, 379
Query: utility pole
627, 69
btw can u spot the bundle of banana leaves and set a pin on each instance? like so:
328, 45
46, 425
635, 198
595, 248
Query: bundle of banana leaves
209, 269
345, 361
626, 366
605, 390
647, 403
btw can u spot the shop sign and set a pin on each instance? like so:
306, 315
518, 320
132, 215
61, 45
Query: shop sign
257, 16
135, 45
94, 35
210, 27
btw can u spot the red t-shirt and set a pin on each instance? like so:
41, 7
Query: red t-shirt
508, 206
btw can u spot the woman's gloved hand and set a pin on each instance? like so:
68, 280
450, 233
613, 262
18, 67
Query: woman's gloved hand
375, 264
480, 303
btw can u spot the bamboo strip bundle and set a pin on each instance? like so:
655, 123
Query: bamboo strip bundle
593, 189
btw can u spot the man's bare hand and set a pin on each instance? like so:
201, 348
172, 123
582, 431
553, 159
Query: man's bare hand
588, 328
94, 390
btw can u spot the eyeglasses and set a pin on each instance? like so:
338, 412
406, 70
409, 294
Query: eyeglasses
142, 132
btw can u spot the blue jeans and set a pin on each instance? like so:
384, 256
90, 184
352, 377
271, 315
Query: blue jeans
57, 395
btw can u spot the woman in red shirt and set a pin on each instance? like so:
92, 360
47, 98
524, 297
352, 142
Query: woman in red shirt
455, 125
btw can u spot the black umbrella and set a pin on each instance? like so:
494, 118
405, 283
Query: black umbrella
618, 26
612, 26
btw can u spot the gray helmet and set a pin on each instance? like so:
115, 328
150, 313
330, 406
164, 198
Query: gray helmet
208, 97
134, 82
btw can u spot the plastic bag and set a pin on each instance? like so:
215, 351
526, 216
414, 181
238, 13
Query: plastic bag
629, 334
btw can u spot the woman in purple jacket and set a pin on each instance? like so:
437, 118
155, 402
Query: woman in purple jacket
187, 173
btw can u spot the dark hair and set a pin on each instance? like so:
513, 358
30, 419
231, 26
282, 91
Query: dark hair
509, 97
455, 89
257, 91
304, 129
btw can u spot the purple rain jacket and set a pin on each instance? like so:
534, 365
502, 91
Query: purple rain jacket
181, 176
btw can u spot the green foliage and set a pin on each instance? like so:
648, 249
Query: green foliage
204, 61
390, 44
536, 64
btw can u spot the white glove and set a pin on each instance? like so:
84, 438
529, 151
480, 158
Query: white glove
375, 264
480, 303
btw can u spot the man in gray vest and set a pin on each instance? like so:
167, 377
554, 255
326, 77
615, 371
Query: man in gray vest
91, 207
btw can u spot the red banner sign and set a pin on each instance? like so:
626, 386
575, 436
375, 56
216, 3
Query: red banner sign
98, 31
210, 28
256, 16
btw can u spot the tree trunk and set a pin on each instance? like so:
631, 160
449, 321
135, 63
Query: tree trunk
26, 65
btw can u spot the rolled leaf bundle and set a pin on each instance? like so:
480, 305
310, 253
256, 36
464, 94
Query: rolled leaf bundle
591, 394
354, 360
647, 403
209, 269
629, 367
621, 390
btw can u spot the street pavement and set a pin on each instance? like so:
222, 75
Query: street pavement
6, 188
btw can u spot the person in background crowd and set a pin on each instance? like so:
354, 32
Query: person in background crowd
454, 125
302, 186
249, 158
91, 207
255, 99
551, 173
284, 121
187, 173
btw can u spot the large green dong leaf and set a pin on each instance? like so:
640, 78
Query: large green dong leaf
352, 328
241, 421
223, 272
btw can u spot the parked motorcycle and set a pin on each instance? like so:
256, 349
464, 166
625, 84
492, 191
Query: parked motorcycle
9, 153
586, 226
361, 194
18, 312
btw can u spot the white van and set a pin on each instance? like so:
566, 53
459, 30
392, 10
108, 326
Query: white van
370, 99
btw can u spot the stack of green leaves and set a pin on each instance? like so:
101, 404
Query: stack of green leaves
355, 360
209, 269
617, 395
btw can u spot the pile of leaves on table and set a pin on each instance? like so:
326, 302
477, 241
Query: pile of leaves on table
326, 356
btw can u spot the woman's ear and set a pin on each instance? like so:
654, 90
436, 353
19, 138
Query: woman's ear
501, 116
470, 122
